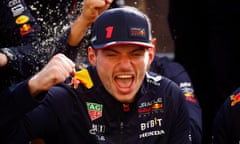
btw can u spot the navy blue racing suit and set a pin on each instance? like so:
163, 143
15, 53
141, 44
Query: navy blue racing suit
226, 126
18, 29
86, 113
176, 72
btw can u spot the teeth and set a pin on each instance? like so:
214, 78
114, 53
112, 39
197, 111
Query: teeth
124, 76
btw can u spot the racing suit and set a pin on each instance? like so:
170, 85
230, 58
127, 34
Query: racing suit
176, 72
18, 29
86, 113
226, 127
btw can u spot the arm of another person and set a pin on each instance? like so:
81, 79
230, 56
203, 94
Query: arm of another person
19, 30
177, 73
226, 127
179, 133
22, 97
91, 10
70, 40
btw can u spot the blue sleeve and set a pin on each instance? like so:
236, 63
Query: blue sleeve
34, 119
15, 101
181, 126
179, 75
19, 29
226, 127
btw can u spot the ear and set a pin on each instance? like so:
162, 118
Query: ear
92, 56
154, 42
152, 51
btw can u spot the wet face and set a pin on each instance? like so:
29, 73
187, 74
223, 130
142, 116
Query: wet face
122, 69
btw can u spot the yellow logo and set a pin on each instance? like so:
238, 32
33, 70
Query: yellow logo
235, 99
22, 19
83, 77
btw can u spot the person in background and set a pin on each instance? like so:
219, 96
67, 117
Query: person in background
21, 43
56, 71
226, 127
18, 30
177, 73
125, 104
57, 18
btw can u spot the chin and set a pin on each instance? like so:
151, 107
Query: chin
126, 100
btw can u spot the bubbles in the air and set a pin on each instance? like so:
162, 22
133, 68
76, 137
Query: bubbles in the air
55, 20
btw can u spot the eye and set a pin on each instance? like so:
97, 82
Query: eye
138, 52
110, 54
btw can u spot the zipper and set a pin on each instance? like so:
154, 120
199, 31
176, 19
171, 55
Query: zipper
121, 132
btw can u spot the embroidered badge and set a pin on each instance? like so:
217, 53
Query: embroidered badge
22, 19
94, 110
235, 99
83, 77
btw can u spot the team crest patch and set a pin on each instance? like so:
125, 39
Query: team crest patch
94, 110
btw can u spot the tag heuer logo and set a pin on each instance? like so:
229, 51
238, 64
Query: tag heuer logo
94, 110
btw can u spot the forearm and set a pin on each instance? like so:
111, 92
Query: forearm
91, 10
56, 71
19, 60
15, 101
78, 31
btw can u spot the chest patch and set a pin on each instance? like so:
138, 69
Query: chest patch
94, 110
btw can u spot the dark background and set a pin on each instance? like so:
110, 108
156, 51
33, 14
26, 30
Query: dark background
204, 38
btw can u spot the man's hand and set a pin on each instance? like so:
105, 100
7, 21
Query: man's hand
3, 60
56, 71
91, 10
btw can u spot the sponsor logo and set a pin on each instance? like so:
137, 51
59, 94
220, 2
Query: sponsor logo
146, 108
185, 84
22, 19
94, 110
137, 32
17, 10
148, 127
126, 107
155, 80
235, 99
151, 133
25, 29
188, 91
13, 3
156, 122
16, 7
98, 130
150, 108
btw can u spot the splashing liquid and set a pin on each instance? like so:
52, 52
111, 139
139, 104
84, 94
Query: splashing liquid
55, 17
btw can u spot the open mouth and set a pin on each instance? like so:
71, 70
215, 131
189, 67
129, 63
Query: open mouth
124, 81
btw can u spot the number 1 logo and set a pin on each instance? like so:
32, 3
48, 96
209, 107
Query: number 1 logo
109, 31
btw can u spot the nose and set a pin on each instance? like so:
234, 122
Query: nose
125, 62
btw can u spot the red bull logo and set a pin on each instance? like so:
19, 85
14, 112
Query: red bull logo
235, 99
25, 29
137, 32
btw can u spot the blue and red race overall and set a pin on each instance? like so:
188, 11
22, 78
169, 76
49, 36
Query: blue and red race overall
86, 113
